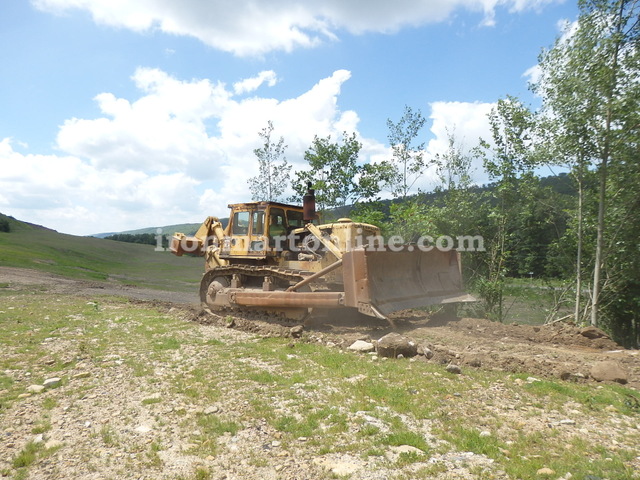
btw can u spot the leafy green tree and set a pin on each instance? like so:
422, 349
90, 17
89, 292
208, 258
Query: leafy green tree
408, 160
509, 162
590, 85
274, 171
336, 175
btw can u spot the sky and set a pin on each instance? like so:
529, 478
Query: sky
117, 115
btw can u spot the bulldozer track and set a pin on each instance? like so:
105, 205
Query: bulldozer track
255, 271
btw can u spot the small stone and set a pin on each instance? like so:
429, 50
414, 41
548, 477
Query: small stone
276, 443
52, 444
567, 421
211, 410
452, 368
406, 449
35, 388
485, 433
361, 346
80, 375
38, 438
143, 429
545, 472
52, 382
296, 332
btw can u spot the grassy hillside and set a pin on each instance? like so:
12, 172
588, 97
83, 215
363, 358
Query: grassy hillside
186, 228
35, 247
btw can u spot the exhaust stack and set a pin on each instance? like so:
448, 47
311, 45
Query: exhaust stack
309, 204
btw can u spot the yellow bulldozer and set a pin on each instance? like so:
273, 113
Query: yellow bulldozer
273, 257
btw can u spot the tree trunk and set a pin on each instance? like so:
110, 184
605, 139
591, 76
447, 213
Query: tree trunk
606, 152
597, 269
579, 252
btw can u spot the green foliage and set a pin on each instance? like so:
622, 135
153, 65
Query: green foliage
407, 437
5, 226
509, 161
410, 219
591, 98
336, 175
140, 238
27, 455
274, 170
408, 162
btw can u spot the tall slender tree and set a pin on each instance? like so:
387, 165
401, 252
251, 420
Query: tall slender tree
274, 170
408, 159
590, 83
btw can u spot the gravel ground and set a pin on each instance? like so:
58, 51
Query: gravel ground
107, 422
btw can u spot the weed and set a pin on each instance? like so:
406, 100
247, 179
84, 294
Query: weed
49, 403
27, 455
42, 427
406, 437
167, 343
407, 458
202, 473
109, 437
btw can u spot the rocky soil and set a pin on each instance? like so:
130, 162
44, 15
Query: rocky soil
113, 430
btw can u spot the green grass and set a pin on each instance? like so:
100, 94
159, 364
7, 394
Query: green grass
29, 246
323, 399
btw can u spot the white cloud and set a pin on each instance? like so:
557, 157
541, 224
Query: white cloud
156, 159
251, 84
246, 27
467, 122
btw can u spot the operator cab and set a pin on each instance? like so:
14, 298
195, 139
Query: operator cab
260, 229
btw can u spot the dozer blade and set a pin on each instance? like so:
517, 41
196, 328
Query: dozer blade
378, 283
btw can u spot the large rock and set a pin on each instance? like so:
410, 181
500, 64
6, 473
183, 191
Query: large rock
394, 344
593, 333
609, 371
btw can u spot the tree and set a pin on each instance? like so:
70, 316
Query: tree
408, 160
336, 175
590, 84
510, 162
274, 171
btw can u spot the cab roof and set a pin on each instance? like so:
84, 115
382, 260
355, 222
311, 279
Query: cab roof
263, 205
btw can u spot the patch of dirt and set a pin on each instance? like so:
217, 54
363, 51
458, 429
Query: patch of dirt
69, 286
